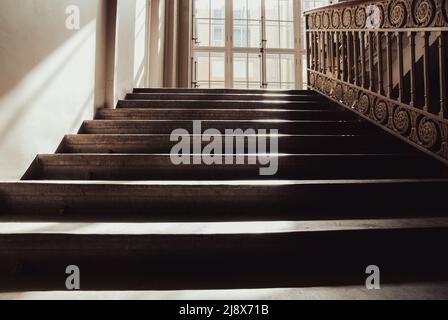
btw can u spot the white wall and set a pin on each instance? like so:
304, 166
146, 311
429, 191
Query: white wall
47, 79
131, 46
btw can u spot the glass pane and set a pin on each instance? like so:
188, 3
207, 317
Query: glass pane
202, 66
239, 9
272, 34
272, 10
217, 67
287, 35
286, 10
202, 8
203, 32
239, 33
218, 33
246, 23
246, 70
254, 9
254, 34
272, 68
239, 67
254, 68
218, 9
288, 68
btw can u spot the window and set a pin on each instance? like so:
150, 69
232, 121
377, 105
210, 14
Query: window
260, 53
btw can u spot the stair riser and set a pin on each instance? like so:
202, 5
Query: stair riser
223, 91
38, 262
297, 144
101, 202
159, 114
142, 127
128, 167
221, 97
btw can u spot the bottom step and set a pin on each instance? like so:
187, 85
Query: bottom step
407, 291
273, 255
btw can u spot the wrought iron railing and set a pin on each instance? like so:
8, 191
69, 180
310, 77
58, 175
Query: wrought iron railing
387, 61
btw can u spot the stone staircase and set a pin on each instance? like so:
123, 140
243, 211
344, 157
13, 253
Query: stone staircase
110, 201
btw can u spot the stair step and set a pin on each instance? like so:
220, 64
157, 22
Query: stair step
223, 91
145, 257
430, 290
212, 97
298, 144
284, 127
155, 167
221, 114
226, 104
166, 201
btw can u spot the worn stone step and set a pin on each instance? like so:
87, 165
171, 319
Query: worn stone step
225, 96
160, 167
225, 256
314, 144
226, 104
221, 114
223, 91
166, 201
284, 127
423, 290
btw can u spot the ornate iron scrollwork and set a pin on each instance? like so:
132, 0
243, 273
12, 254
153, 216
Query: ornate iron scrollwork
428, 133
398, 13
424, 12
348, 81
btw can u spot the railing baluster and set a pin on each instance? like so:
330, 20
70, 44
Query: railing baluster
344, 57
426, 69
317, 45
321, 52
389, 64
308, 51
324, 50
379, 46
316, 50
442, 62
400, 67
356, 55
371, 62
322, 44
363, 60
338, 55
413, 88
350, 57
330, 51
327, 52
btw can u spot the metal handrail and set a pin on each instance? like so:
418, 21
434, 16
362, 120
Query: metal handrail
387, 61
